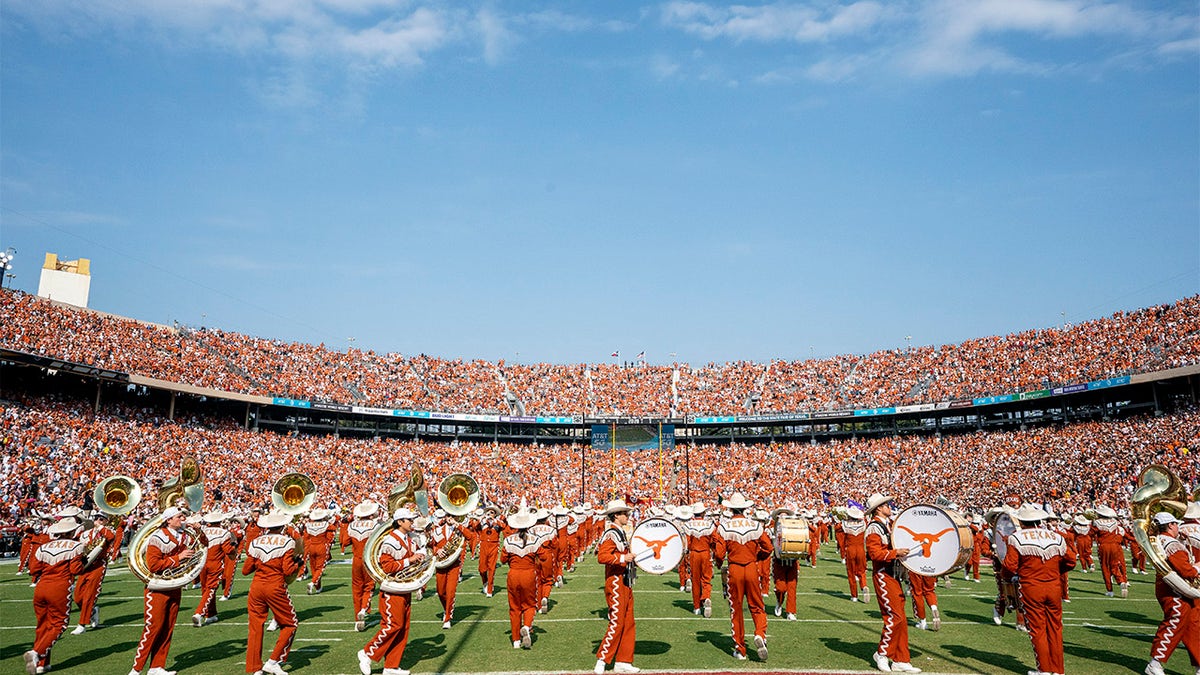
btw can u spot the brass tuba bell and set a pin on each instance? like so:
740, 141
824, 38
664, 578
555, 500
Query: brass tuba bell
187, 486
117, 495
458, 494
1159, 490
293, 493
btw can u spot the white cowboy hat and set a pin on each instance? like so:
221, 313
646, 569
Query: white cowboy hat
1192, 512
420, 523
579, 509
318, 514
683, 513
366, 509
1031, 514
762, 514
1105, 512
171, 512
616, 506
877, 500
404, 513
273, 519
64, 526
69, 512
1163, 518
521, 520
698, 509
560, 510
855, 513
439, 513
737, 501
213, 517
1081, 520
657, 512
541, 514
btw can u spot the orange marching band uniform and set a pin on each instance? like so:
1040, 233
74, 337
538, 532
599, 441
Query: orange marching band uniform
362, 586
702, 548
1181, 615
613, 552
221, 545
447, 577
318, 534
885, 562
398, 550
273, 560
521, 553
55, 564
854, 551
91, 580
1038, 556
165, 549
743, 542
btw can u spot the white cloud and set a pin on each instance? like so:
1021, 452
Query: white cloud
962, 37
778, 22
497, 39
663, 67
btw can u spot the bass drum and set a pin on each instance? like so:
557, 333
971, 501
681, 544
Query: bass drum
1003, 527
791, 538
656, 545
939, 540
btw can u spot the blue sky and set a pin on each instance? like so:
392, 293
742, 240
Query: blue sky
551, 182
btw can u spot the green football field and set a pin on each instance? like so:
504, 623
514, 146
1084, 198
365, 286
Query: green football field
1102, 635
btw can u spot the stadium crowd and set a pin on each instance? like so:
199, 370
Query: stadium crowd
53, 453
1151, 339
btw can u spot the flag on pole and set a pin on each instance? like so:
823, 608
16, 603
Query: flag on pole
642, 355
616, 354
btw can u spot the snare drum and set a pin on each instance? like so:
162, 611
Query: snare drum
939, 540
656, 546
791, 538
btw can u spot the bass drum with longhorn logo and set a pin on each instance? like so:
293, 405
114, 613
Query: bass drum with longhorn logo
656, 545
939, 540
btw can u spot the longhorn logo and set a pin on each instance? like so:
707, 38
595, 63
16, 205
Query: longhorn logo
925, 540
656, 546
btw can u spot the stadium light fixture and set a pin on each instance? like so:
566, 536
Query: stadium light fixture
6, 264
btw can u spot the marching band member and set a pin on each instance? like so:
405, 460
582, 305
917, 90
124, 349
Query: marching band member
854, 550
520, 553
220, 545
273, 560
744, 542
547, 557
979, 548
362, 586
237, 533
318, 539
1189, 530
1083, 542
702, 547
814, 536
39, 537
165, 549
560, 520
447, 578
680, 522
893, 642
924, 592
1037, 557
398, 550
87, 587
613, 552
55, 565
785, 571
489, 548
1061, 526
1110, 535
1180, 621
763, 518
